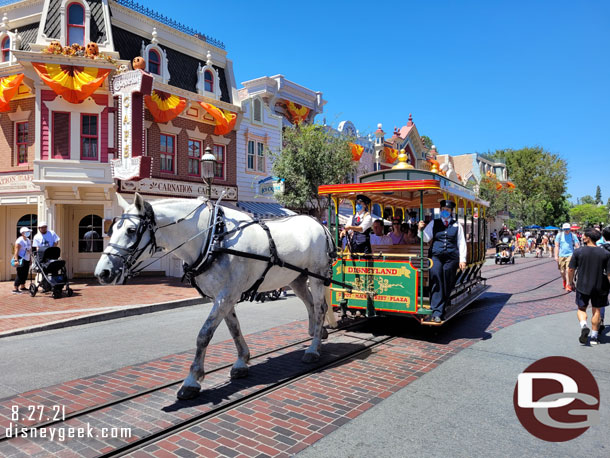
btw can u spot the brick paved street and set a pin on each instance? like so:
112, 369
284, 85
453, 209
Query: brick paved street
287, 420
19, 311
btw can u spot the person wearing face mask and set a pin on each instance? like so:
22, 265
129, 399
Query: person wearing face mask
359, 230
565, 244
448, 252
21, 257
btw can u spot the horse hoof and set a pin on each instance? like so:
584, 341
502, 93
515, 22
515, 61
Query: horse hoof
310, 357
239, 372
188, 392
324, 334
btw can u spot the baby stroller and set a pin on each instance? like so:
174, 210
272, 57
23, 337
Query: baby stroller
50, 272
504, 252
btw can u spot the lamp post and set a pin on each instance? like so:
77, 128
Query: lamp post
208, 162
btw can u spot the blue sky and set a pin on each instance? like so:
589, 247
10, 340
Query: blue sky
476, 75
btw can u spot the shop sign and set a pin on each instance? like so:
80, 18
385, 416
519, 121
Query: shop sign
17, 182
131, 87
177, 188
271, 186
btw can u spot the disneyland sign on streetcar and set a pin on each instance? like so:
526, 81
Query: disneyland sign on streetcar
131, 87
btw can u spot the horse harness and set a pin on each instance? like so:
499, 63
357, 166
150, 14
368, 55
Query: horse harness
212, 248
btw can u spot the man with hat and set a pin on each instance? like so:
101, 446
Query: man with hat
45, 237
448, 252
565, 244
359, 229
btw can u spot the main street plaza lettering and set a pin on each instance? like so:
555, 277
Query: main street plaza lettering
391, 285
177, 188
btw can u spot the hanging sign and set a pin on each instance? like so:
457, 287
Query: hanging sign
271, 186
131, 88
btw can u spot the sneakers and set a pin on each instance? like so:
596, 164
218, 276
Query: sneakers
594, 341
584, 333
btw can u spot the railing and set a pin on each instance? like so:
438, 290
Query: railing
135, 6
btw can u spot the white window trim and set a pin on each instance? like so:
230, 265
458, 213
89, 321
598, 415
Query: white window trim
201, 82
87, 107
63, 14
164, 77
253, 117
175, 155
256, 140
15, 150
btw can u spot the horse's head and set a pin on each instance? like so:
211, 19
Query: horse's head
132, 240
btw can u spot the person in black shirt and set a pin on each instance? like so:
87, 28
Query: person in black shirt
593, 283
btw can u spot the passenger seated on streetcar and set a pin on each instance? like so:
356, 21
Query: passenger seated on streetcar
398, 237
378, 237
411, 236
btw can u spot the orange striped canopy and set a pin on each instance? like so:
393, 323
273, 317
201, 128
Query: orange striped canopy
9, 86
390, 154
73, 83
357, 151
298, 113
164, 106
225, 120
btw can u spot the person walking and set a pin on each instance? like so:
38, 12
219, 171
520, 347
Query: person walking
565, 244
21, 259
448, 252
593, 284
45, 236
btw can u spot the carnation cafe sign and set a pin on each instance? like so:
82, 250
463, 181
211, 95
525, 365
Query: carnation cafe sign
17, 182
131, 87
177, 188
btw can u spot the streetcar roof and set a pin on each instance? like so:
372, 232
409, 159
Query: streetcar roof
402, 188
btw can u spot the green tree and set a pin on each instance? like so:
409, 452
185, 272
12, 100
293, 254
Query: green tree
598, 195
540, 178
311, 156
587, 200
589, 214
427, 141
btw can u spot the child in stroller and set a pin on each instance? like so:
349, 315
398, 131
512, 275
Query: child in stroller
50, 272
504, 254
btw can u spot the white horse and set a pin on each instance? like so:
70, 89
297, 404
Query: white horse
300, 240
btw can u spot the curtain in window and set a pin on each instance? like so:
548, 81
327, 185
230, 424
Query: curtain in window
73, 83
225, 120
163, 106
9, 86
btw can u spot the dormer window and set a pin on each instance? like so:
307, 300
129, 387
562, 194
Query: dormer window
209, 81
258, 110
76, 24
154, 62
6, 49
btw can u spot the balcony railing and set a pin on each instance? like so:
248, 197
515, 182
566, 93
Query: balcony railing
135, 6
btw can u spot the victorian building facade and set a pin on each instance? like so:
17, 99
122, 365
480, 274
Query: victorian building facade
66, 129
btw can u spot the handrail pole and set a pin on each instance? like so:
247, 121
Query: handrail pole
421, 251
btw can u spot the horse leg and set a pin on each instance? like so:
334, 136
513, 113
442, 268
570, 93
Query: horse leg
317, 331
190, 387
240, 368
300, 289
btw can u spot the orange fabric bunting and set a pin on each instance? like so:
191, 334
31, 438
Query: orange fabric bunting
73, 83
225, 120
357, 151
9, 86
298, 113
510, 185
390, 154
163, 106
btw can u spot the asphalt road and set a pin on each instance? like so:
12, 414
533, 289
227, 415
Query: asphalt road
464, 407
38, 360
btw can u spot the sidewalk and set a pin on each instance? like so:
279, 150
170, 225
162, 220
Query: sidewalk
22, 313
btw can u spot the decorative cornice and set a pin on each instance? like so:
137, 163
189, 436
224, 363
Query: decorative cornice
28, 56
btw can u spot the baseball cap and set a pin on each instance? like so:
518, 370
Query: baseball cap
42, 224
24, 229
565, 226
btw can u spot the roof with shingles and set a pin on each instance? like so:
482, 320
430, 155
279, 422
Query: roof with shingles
182, 67
97, 26
28, 35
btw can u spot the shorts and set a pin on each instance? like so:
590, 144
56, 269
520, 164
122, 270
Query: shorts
597, 300
564, 263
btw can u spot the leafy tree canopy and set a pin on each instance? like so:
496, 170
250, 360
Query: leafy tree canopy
587, 200
427, 141
589, 214
598, 195
311, 156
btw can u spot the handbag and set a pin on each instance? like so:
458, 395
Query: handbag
18, 263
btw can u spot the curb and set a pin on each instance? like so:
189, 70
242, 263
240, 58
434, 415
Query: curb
106, 316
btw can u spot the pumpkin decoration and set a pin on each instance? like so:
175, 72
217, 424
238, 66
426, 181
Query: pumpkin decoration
138, 63
55, 47
92, 50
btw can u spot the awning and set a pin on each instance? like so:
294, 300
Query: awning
264, 209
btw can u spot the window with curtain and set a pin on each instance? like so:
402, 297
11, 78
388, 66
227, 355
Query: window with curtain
88, 136
167, 153
61, 135
219, 153
194, 154
21, 129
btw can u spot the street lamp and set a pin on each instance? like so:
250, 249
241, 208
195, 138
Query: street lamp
209, 168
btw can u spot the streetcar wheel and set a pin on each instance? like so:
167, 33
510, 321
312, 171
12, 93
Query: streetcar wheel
70, 292
33, 290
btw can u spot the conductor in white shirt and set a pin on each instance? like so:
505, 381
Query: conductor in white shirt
359, 229
448, 252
